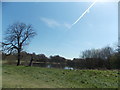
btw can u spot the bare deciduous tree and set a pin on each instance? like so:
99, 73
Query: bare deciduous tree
16, 37
103, 53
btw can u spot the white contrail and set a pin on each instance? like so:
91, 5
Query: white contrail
84, 12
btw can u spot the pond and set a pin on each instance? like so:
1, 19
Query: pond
68, 68
48, 65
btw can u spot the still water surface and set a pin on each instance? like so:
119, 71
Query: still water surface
61, 66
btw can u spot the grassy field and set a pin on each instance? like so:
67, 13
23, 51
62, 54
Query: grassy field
36, 77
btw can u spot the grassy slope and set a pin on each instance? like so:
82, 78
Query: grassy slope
36, 77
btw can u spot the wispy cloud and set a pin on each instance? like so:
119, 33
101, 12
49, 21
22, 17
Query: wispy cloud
50, 22
86, 11
54, 23
68, 26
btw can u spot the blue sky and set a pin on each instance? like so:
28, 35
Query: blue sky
0, 21
52, 21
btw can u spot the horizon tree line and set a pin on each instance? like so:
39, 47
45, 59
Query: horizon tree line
18, 35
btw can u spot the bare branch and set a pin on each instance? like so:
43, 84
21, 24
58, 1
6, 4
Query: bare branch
17, 36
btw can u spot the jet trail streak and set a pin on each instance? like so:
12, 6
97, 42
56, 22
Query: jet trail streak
85, 12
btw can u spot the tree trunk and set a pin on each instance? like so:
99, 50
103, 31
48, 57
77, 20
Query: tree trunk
30, 64
18, 57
